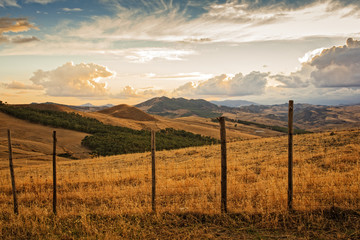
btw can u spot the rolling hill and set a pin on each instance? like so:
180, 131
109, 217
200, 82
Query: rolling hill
48, 106
128, 112
180, 107
306, 116
32, 143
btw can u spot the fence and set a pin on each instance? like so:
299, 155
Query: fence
249, 176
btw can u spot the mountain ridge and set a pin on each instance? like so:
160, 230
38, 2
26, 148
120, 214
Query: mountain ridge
233, 103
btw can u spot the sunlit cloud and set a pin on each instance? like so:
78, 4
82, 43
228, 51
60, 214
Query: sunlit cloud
334, 67
15, 25
239, 85
130, 92
20, 85
74, 80
227, 22
192, 76
150, 54
310, 55
338, 66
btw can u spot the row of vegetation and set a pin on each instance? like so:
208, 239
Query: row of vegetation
107, 139
260, 125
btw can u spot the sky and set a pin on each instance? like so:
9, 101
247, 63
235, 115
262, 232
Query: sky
121, 51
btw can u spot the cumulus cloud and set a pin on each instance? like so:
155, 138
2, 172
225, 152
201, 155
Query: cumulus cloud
337, 66
20, 85
15, 25
80, 80
298, 79
240, 85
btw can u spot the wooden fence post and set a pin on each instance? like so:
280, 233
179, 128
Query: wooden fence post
153, 173
16, 209
223, 166
54, 172
290, 155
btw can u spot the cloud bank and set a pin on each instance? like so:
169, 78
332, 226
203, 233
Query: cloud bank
240, 85
80, 80
335, 67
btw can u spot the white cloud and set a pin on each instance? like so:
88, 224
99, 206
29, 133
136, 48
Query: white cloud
338, 66
239, 85
130, 92
10, 3
298, 79
80, 80
335, 67
192, 76
150, 54
144, 55
72, 9
228, 22
310, 55
43, 2
14, 3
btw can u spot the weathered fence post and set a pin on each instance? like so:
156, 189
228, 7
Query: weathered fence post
54, 172
223, 166
16, 209
290, 155
153, 173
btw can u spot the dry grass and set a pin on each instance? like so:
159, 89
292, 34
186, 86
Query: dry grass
30, 141
111, 197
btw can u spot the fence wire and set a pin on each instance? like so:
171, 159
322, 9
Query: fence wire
326, 174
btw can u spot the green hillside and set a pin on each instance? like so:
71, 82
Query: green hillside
107, 139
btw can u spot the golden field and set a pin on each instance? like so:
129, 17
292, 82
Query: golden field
110, 197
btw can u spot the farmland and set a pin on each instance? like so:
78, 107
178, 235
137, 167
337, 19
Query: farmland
110, 197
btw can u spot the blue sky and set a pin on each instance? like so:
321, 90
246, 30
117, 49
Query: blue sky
117, 51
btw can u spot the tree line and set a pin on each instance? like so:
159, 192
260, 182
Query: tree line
108, 139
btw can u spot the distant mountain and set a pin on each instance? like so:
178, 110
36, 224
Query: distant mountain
306, 116
91, 105
129, 112
180, 107
87, 107
233, 103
